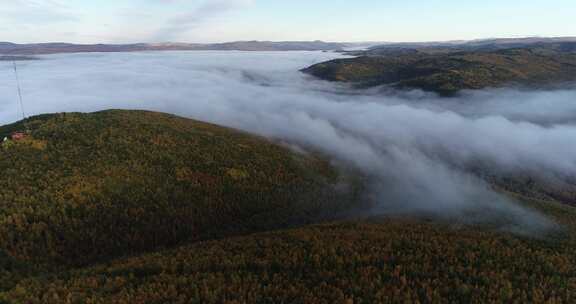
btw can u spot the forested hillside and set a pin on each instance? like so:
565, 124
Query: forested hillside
143, 207
370, 261
86, 187
448, 72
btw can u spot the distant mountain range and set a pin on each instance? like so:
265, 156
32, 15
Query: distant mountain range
367, 48
7, 48
463, 45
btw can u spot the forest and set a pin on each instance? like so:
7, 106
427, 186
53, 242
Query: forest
448, 71
143, 207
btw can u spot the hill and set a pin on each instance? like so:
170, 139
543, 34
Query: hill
56, 48
88, 187
447, 72
370, 261
143, 207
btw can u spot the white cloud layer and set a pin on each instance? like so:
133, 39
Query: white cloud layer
413, 146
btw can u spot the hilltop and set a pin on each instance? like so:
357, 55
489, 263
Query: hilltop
447, 70
144, 207
86, 187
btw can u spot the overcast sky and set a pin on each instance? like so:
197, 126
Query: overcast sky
122, 21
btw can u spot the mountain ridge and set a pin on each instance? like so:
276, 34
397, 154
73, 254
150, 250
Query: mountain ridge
8, 48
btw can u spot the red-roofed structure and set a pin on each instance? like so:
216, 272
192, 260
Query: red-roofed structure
18, 136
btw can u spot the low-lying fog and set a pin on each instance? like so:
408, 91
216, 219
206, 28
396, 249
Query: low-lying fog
412, 145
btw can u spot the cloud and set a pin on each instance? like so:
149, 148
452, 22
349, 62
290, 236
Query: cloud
201, 15
34, 12
415, 149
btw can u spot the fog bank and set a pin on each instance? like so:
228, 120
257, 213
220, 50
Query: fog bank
414, 146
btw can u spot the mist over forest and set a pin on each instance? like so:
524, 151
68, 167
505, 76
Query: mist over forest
416, 148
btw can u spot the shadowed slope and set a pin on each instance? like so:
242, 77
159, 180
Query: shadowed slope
86, 187
377, 261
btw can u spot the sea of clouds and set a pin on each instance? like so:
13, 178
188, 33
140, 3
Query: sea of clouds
413, 146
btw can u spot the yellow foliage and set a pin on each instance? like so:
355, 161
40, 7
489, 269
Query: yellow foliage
35, 143
238, 174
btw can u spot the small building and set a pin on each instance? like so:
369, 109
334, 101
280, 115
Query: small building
18, 136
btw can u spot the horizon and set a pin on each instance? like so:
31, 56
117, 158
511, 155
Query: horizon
287, 41
218, 21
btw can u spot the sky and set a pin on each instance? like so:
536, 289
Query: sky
125, 21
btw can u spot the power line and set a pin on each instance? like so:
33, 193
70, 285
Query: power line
19, 89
